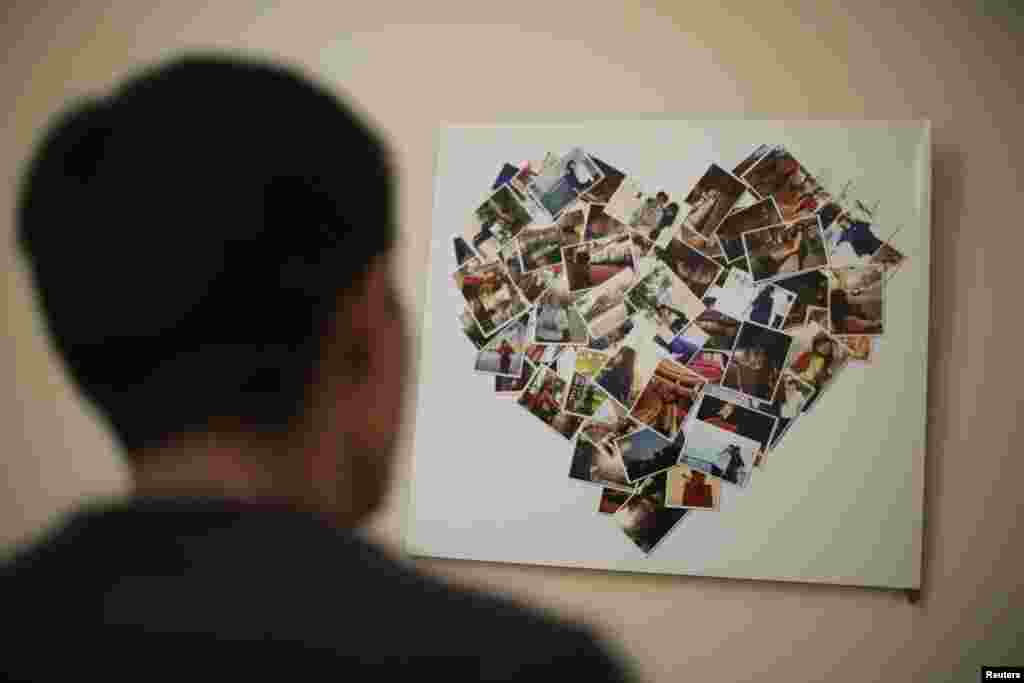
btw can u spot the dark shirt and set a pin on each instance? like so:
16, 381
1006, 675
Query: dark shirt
183, 589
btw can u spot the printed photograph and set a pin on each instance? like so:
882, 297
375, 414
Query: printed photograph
604, 308
778, 173
855, 300
720, 328
611, 500
536, 282
540, 245
651, 214
573, 224
668, 397
771, 306
600, 224
558, 321
600, 465
610, 421
860, 347
471, 329
603, 189
811, 289
560, 184
646, 522
710, 364
513, 386
627, 372
664, 301
817, 314
463, 254
544, 354
590, 264
757, 361
543, 398
851, 242
709, 246
732, 294
642, 245
730, 415
684, 347
611, 342
750, 160
711, 199
691, 489
696, 270
492, 297
785, 249
645, 452
505, 353
495, 222
522, 177
817, 356
720, 453
585, 398
758, 215
509, 255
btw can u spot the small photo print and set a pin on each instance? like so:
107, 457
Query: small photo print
733, 293
791, 398
645, 452
649, 214
505, 354
600, 224
611, 342
758, 215
611, 500
759, 152
709, 246
861, 347
817, 356
851, 242
663, 300
544, 354
785, 249
693, 268
560, 184
626, 373
572, 224
509, 255
711, 199
642, 244
684, 347
604, 308
536, 282
543, 398
603, 189
710, 364
495, 222
471, 329
855, 300
646, 522
818, 315
513, 386
757, 361
811, 289
585, 398
771, 306
777, 172
731, 415
540, 246
492, 297
590, 264
463, 254
720, 453
720, 328
667, 399
558, 321
691, 489
609, 422
595, 464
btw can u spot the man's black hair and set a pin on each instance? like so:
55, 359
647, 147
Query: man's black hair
189, 236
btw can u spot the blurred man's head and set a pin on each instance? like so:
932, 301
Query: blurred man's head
210, 245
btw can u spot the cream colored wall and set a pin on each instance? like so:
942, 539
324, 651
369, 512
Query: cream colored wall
414, 64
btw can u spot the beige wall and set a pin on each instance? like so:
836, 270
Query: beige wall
414, 64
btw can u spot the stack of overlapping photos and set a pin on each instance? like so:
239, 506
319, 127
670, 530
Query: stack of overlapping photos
673, 339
